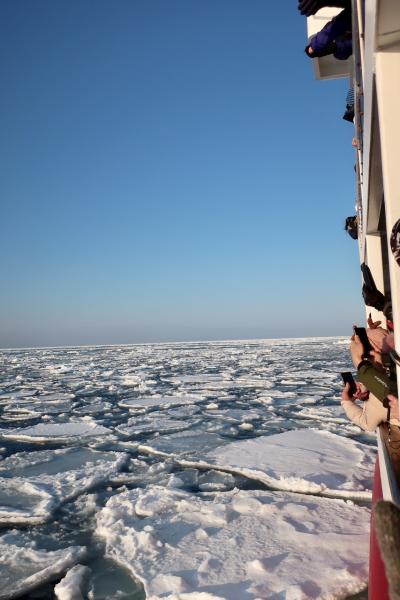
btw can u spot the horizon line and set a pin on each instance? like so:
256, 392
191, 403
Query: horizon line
9, 349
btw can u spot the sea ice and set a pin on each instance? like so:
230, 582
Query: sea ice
35, 484
237, 415
38, 407
199, 378
333, 414
56, 397
237, 544
253, 382
305, 461
92, 408
188, 444
219, 390
74, 585
22, 569
158, 400
131, 380
179, 412
151, 424
11, 417
55, 432
215, 481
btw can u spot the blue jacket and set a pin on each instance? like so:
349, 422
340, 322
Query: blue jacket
334, 38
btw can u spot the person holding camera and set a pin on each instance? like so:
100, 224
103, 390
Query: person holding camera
371, 413
376, 391
369, 364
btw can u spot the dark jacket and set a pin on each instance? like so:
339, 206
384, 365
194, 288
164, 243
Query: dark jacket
334, 38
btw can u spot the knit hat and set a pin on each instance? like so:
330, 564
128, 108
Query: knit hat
395, 241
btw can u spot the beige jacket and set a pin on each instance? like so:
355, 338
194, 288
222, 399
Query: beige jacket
367, 415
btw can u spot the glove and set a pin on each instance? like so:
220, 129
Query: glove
310, 7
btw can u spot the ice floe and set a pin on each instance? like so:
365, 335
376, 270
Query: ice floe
305, 461
131, 380
22, 569
193, 444
179, 412
34, 485
92, 408
74, 585
238, 544
55, 432
150, 424
236, 415
200, 378
38, 407
158, 400
57, 397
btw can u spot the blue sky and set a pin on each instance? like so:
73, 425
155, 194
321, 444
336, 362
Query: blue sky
170, 171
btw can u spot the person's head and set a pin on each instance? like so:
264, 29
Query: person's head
351, 227
388, 312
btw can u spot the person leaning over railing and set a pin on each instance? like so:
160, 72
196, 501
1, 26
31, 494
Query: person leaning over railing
372, 388
336, 36
382, 387
371, 370
371, 413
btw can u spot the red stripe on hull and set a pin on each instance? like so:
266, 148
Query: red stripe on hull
378, 585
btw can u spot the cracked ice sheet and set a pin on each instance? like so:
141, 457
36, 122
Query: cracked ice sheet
23, 569
238, 545
33, 485
305, 461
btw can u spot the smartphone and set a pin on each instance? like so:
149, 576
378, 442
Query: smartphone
362, 334
348, 378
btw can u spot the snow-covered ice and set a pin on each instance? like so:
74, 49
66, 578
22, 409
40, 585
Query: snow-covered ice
238, 544
151, 424
305, 461
23, 569
34, 486
55, 432
158, 400
74, 585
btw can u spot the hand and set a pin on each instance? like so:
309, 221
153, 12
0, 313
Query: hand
373, 324
346, 393
361, 393
356, 350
